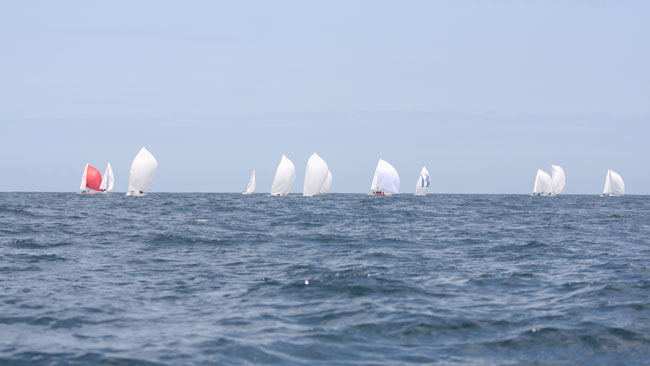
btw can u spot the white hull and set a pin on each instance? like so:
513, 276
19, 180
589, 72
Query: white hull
136, 194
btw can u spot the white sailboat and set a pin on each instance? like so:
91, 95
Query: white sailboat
250, 188
423, 183
143, 170
108, 180
614, 185
315, 175
385, 181
558, 178
543, 184
328, 183
285, 176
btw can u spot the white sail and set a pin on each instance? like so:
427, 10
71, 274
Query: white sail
107, 180
385, 179
143, 170
423, 183
285, 176
328, 183
315, 175
250, 188
543, 183
83, 179
558, 178
607, 190
614, 184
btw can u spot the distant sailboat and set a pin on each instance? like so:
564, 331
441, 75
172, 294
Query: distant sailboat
90, 180
328, 183
315, 175
108, 180
250, 188
424, 181
285, 176
614, 185
549, 185
143, 170
559, 179
385, 181
543, 184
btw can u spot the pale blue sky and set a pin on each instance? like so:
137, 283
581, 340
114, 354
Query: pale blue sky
481, 92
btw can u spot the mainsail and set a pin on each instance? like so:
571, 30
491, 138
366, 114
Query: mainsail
250, 188
285, 176
423, 183
143, 170
315, 175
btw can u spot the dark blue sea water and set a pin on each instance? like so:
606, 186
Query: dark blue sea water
342, 279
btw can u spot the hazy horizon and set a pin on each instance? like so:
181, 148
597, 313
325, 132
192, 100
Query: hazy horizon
483, 93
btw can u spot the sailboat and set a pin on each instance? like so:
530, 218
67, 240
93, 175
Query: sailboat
385, 181
549, 184
424, 181
543, 184
108, 180
91, 180
328, 183
143, 170
614, 185
250, 188
285, 176
558, 178
315, 175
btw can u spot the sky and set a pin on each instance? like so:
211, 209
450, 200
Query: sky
482, 92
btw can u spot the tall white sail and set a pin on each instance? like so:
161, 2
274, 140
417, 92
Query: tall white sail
285, 176
250, 188
143, 170
423, 183
543, 183
558, 178
385, 179
315, 175
328, 183
108, 180
83, 179
614, 184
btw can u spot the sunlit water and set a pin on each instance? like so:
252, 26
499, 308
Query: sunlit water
195, 279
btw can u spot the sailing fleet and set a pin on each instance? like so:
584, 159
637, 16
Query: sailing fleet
318, 179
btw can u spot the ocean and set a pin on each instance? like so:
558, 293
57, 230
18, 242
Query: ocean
339, 279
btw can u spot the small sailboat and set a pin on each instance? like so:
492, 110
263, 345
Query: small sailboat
328, 183
424, 181
549, 184
385, 181
250, 188
558, 178
614, 185
108, 180
143, 170
285, 176
90, 180
315, 175
543, 184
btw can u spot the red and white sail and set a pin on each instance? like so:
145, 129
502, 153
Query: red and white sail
91, 178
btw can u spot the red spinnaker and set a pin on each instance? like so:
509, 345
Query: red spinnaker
93, 178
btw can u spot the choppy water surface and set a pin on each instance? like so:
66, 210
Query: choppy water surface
194, 279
